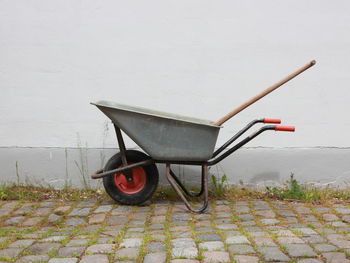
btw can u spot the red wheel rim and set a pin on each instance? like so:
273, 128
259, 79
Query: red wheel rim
137, 184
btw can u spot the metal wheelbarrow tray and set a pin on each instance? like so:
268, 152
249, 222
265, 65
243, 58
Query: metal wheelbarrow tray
164, 136
130, 177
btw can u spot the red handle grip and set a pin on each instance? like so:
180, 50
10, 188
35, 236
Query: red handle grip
267, 120
284, 128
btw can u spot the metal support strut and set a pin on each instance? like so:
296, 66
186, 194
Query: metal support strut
127, 173
175, 183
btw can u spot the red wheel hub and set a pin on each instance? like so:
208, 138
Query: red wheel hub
133, 187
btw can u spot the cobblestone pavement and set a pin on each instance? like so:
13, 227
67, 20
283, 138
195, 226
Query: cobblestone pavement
243, 231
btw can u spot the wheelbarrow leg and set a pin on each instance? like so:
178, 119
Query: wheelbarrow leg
174, 184
122, 149
188, 193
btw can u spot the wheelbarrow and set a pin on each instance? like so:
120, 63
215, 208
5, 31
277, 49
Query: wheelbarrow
130, 177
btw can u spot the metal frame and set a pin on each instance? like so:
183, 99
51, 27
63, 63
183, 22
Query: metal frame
174, 181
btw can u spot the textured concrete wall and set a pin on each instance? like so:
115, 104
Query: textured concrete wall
251, 166
197, 58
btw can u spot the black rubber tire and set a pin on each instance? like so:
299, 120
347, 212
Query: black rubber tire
146, 193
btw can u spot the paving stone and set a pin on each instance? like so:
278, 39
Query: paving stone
183, 242
227, 226
122, 210
273, 254
314, 239
184, 261
212, 245
300, 250
325, 247
204, 229
87, 203
216, 257
71, 251
341, 242
218, 221
309, 260
338, 224
290, 220
246, 217
95, 219
49, 204
62, 210
209, 237
343, 211
131, 242
158, 219
43, 248
269, 221
264, 242
266, 213
23, 211
127, 253
157, 227
14, 220
237, 240
246, 259
80, 212
77, 242
63, 260
286, 213
53, 218
10, 204
22, 243
322, 209
33, 259
184, 252
252, 229
224, 216
75, 221
156, 247
284, 233
248, 223
242, 209
330, 217
91, 228
335, 257
117, 220
241, 249
44, 211
10, 252
54, 239
305, 231
290, 240
100, 248
5, 211
94, 259
155, 257
105, 240
103, 209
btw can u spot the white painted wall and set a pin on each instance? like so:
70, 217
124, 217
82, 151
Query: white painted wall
195, 57
199, 58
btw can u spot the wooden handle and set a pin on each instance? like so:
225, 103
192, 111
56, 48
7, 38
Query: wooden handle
264, 93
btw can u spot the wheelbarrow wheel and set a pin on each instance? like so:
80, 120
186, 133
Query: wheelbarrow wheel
143, 185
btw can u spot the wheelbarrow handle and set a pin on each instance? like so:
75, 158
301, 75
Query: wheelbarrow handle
264, 93
284, 128
268, 120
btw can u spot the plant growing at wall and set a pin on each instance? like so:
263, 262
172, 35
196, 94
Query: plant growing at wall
83, 165
293, 190
17, 173
104, 137
219, 185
